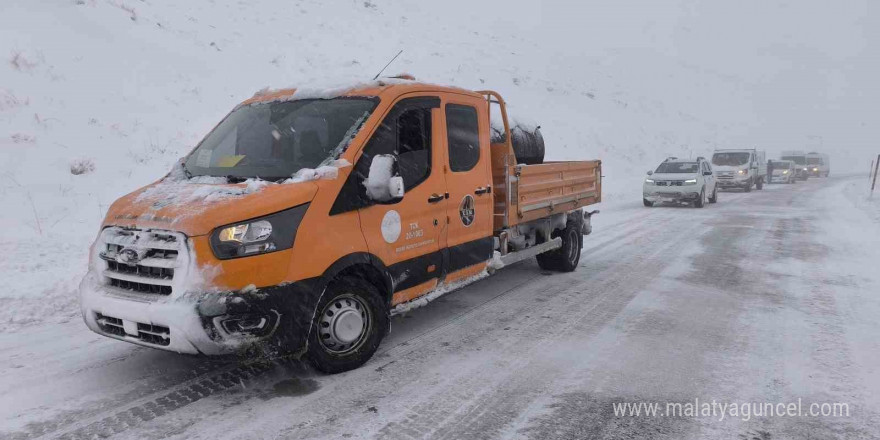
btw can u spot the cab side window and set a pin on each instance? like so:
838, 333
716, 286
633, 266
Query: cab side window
463, 134
413, 150
405, 133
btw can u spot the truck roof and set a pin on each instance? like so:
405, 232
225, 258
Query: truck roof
384, 86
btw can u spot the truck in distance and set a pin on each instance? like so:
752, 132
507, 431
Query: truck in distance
800, 160
302, 220
784, 171
818, 164
740, 168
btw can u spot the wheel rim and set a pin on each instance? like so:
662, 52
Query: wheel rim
344, 324
574, 248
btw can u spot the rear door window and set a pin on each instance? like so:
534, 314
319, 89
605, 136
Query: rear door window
463, 134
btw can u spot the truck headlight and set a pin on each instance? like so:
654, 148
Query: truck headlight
690, 182
815, 169
649, 181
743, 172
785, 172
274, 232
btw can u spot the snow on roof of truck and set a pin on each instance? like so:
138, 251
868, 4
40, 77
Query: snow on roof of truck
351, 88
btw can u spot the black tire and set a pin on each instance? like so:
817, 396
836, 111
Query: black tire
648, 203
748, 187
702, 200
760, 184
566, 258
348, 295
714, 198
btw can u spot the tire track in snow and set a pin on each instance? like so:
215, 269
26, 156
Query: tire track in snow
159, 403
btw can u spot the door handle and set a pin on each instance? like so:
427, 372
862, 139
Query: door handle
435, 198
483, 190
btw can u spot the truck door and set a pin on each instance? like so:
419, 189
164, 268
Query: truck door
469, 183
406, 234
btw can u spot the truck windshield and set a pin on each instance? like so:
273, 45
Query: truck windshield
780, 165
677, 168
730, 159
273, 140
800, 160
814, 161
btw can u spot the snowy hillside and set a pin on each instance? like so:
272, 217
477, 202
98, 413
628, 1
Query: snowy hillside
99, 97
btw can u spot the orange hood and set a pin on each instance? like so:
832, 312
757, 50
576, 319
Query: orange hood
197, 208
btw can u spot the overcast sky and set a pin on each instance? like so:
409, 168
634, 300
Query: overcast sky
809, 70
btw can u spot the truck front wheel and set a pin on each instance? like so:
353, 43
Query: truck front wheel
566, 258
350, 322
760, 184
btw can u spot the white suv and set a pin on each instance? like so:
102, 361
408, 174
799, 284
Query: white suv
681, 181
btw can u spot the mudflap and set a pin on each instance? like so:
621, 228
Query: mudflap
586, 223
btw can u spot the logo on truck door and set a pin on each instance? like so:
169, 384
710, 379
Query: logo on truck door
466, 210
391, 226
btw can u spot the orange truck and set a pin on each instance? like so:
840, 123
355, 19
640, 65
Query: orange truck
303, 219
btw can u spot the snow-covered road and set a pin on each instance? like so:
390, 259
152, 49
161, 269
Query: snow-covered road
765, 297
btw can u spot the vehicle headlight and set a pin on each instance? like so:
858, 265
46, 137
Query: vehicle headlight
274, 232
649, 181
743, 172
785, 172
815, 169
690, 182
805, 169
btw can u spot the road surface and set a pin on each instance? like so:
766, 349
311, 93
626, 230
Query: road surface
767, 297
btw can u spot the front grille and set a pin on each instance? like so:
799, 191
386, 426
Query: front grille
142, 261
149, 333
668, 194
670, 183
140, 287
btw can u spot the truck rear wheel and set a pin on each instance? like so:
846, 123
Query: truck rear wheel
566, 258
350, 321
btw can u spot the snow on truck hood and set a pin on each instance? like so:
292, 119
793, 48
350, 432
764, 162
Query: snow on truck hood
198, 205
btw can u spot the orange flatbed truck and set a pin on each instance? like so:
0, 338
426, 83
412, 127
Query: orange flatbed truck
303, 219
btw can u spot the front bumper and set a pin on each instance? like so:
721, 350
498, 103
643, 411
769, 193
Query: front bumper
781, 178
275, 319
672, 195
736, 182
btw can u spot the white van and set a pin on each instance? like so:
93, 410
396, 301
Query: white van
741, 168
818, 164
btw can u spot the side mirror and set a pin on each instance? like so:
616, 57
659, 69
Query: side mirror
707, 173
395, 187
650, 172
382, 183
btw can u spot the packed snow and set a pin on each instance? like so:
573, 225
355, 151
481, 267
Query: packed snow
378, 181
